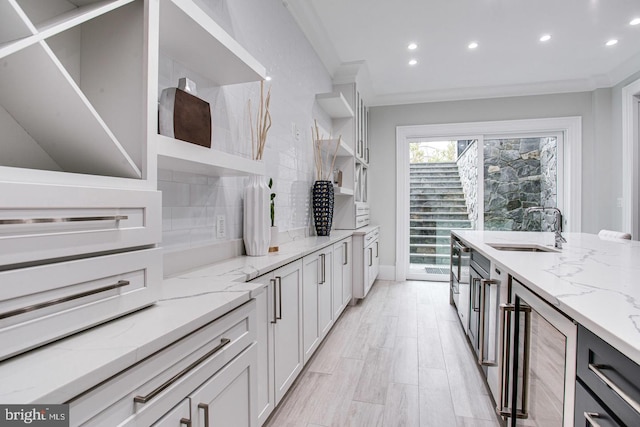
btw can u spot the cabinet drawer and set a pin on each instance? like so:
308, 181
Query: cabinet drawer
362, 220
165, 378
371, 236
362, 209
39, 222
610, 375
587, 407
46, 302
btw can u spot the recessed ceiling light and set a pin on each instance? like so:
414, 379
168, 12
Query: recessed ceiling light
635, 21
545, 38
413, 62
412, 46
473, 45
268, 78
612, 42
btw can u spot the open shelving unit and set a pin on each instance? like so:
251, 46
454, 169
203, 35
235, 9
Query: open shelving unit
185, 157
61, 109
335, 105
186, 33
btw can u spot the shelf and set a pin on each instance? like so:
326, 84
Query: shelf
342, 191
335, 105
44, 100
329, 145
189, 36
186, 157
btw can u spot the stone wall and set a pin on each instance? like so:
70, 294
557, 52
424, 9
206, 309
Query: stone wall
512, 183
549, 179
468, 170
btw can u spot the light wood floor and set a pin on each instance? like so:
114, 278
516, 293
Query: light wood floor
397, 359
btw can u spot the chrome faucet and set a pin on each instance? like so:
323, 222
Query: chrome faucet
557, 223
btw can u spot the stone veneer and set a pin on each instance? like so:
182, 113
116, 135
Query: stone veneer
468, 170
519, 173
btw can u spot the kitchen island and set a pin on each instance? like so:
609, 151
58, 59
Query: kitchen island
560, 325
593, 281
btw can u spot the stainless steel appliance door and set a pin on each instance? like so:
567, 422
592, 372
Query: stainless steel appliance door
474, 309
541, 372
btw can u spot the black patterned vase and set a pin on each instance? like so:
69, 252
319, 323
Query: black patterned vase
323, 206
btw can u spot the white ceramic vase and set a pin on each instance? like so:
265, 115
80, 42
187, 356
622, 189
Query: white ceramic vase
256, 222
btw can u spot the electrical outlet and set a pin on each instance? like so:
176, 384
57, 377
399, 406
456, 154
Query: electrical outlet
620, 201
221, 227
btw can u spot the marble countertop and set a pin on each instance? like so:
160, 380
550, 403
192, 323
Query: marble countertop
596, 282
61, 370
245, 268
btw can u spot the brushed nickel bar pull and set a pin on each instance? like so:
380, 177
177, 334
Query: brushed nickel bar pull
70, 219
597, 370
377, 248
370, 257
61, 300
322, 257
205, 408
474, 307
346, 253
279, 278
526, 361
275, 317
460, 246
504, 362
484, 283
589, 416
185, 422
176, 377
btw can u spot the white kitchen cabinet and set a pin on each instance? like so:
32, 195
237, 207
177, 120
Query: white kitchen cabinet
43, 222
222, 352
41, 303
316, 295
228, 398
279, 336
366, 260
342, 276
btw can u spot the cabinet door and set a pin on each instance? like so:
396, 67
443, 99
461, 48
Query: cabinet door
347, 272
311, 278
228, 398
265, 314
180, 416
325, 310
339, 260
287, 331
342, 276
317, 309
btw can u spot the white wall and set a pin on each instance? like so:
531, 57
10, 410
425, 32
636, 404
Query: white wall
191, 202
601, 162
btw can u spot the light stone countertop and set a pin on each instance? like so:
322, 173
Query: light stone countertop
596, 282
61, 370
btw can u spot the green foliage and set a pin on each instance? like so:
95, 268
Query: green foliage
417, 155
273, 204
448, 154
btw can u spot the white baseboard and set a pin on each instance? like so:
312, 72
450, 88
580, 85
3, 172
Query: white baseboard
387, 272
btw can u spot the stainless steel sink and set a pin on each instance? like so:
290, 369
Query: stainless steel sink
517, 247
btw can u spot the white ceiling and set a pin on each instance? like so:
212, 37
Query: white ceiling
510, 59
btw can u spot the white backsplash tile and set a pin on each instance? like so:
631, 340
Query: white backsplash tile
192, 202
